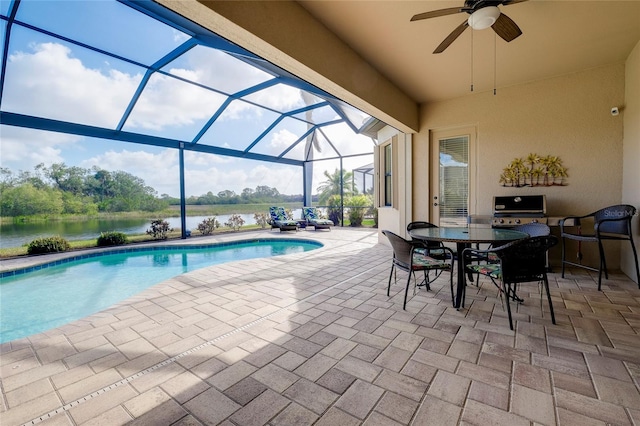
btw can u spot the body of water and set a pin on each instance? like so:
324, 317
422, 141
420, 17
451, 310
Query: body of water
57, 294
18, 234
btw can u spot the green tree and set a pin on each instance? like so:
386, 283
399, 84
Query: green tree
68, 179
247, 194
26, 200
266, 193
78, 204
100, 185
331, 186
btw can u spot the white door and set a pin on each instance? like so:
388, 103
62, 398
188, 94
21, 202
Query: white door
453, 171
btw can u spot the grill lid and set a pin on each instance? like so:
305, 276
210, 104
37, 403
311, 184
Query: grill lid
519, 205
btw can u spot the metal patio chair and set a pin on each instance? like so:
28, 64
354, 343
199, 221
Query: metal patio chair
519, 262
611, 223
407, 259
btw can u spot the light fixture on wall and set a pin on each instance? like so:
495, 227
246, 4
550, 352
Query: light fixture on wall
484, 18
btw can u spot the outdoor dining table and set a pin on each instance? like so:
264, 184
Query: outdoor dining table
464, 237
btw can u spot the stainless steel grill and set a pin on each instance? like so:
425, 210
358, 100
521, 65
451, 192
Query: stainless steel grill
513, 210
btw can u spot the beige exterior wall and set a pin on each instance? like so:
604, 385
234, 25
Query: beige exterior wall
395, 217
631, 153
568, 116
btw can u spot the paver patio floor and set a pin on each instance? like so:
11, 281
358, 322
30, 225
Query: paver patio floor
312, 338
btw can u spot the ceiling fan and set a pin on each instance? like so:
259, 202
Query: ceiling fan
482, 14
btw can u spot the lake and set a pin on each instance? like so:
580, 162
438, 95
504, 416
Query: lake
18, 234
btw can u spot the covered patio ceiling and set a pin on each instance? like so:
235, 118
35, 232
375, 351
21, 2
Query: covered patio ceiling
158, 79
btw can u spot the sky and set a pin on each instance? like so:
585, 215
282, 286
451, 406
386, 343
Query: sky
55, 79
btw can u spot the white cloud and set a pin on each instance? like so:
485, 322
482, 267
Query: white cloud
51, 83
282, 140
22, 149
195, 159
158, 170
279, 97
167, 102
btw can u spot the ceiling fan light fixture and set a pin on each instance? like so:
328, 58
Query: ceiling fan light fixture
484, 18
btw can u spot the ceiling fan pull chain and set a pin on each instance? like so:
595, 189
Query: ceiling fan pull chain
495, 61
472, 61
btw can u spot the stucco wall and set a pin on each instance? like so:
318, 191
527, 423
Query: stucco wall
631, 152
567, 116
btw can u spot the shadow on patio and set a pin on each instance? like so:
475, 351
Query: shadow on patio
312, 338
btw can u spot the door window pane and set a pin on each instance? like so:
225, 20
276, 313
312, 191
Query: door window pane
387, 176
454, 181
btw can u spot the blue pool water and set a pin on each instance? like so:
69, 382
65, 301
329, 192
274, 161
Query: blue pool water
56, 294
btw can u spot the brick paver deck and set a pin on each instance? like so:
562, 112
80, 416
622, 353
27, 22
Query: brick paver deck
312, 338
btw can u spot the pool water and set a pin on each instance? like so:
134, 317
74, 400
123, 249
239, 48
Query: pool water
42, 299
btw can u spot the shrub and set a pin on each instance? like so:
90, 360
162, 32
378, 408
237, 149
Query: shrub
207, 226
358, 204
159, 229
48, 245
333, 210
261, 219
111, 238
235, 222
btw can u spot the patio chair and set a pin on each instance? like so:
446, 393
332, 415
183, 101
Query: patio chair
534, 229
312, 217
406, 259
428, 248
279, 220
609, 223
520, 261
428, 245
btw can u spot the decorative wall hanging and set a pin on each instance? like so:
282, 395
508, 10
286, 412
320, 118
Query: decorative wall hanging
534, 171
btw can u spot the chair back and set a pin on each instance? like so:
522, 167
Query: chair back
525, 260
614, 219
277, 213
310, 213
421, 225
534, 229
402, 249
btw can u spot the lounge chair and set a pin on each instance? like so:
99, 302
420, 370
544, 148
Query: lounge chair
279, 220
312, 217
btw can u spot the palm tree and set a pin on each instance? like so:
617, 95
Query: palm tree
537, 173
518, 166
331, 186
532, 160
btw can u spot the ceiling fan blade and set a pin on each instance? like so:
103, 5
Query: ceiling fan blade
436, 13
452, 37
506, 28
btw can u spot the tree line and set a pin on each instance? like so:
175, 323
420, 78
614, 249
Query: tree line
60, 189
262, 194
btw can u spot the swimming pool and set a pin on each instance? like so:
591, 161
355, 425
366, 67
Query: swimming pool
42, 297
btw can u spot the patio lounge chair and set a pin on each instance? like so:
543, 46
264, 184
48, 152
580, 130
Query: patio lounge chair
279, 220
311, 215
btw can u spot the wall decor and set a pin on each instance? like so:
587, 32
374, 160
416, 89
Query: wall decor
535, 170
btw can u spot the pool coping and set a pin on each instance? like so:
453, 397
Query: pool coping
166, 246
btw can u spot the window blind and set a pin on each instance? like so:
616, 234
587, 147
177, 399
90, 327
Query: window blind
454, 180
